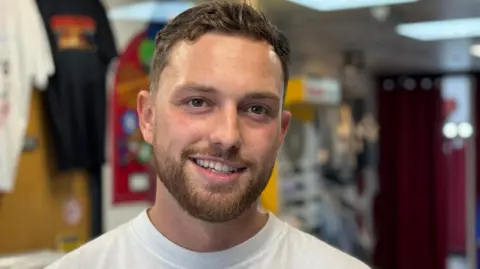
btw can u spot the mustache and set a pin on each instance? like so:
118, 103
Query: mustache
231, 155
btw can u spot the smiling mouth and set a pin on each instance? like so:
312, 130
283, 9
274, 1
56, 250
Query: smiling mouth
217, 167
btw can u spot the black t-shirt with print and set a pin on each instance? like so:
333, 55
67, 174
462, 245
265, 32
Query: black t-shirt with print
82, 47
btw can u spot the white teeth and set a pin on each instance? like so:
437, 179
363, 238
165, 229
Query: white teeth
215, 166
226, 168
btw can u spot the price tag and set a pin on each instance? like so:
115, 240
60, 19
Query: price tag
68, 242
30, 144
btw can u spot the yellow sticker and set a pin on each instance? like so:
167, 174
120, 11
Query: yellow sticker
68, 242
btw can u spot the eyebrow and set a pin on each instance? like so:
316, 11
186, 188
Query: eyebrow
197, 88
209, 89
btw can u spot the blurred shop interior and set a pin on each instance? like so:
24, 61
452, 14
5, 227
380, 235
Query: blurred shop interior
380, 159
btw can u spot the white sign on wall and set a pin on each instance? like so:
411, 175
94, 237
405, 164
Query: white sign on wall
458, 90
323, 91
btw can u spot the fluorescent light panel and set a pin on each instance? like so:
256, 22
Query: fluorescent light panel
441, 30
331, 5
154, 11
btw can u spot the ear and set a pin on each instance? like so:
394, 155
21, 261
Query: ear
285, 122
146, 115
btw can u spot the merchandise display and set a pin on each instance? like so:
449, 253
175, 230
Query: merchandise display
327, 166
83, 46
348, 187
25, 63
130, 154
299, 174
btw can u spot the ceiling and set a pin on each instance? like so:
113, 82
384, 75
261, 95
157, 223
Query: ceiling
319, 38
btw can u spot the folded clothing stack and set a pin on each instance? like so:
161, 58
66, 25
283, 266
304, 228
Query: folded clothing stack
31, 260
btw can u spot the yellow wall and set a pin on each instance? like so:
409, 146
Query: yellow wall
31, 217
269, 199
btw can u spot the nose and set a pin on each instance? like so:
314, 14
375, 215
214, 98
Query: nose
226, 131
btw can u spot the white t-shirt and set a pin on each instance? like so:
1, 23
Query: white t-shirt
25, 62
137, 244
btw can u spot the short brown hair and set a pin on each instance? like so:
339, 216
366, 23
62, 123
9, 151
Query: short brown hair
218, 16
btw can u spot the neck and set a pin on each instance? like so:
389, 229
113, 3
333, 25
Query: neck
197, 235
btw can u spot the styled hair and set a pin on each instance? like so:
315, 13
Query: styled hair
222, 17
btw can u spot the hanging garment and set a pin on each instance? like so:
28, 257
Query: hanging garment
25, 62
83, 46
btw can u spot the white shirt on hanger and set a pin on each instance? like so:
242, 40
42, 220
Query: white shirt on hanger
25, 62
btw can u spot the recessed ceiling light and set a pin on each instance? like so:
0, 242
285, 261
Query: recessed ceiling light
441, 30
475, 50
331, 5
154, 11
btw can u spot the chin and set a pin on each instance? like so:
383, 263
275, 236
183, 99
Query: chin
214, 201
217, 204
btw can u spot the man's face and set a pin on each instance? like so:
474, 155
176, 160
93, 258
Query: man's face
216, 124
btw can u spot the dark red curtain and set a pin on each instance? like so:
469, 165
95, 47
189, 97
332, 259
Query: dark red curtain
410, 210
455, 155
476, 94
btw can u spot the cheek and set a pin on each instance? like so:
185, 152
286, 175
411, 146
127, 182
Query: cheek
175, 130
262, 143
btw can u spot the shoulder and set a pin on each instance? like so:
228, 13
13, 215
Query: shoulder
94, 251
319, 254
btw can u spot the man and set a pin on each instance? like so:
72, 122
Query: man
215, 120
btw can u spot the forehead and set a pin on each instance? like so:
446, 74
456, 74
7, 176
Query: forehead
227, 62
